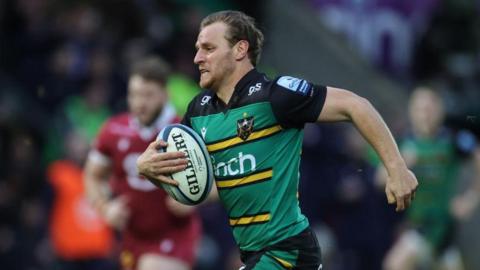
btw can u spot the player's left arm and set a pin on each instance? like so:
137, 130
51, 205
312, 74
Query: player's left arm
343, 105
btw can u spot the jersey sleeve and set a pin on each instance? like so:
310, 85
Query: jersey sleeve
296, 101
186, 118
102, 146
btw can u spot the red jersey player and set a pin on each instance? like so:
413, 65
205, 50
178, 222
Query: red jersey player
157, 232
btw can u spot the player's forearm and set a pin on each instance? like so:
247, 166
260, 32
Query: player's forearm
372, 127
94, 194
95, 186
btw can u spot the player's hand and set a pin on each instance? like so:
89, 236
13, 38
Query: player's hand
178, 209
116, 213
400, 188
155, 165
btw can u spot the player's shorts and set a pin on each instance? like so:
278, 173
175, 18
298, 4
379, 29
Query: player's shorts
300, 252
179, 244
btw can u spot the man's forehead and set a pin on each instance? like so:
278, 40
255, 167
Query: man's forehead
214, 30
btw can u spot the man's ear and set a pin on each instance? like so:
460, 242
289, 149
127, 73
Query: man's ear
241, 50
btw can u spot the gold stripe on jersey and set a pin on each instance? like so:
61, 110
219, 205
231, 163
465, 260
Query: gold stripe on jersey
250, 220
246, 180
256, 135
283, 263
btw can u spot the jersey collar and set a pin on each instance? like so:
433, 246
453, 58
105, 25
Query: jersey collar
241, 87
245, 80
238, 90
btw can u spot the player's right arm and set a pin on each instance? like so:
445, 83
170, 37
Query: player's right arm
296, 102
96, 175
343, 105
95, 180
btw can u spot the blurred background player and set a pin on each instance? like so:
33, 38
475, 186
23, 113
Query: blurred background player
434, 153
157, 232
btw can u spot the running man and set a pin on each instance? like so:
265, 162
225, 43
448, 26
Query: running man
253, 129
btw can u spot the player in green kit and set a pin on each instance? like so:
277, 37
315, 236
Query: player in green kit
253, 129
433, 153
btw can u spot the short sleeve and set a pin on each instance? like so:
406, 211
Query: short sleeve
101, 151
296, 101
188, 114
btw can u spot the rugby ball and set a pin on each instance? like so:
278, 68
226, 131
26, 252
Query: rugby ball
195, 182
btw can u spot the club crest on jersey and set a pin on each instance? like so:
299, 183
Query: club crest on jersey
244, 127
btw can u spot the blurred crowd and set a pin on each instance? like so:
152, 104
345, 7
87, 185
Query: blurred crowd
414, 42
63, 72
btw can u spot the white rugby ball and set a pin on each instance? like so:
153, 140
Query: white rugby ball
195, 182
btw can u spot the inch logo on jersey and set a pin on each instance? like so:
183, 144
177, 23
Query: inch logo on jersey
236, 166
296, 85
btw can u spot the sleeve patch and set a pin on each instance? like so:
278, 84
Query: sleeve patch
294, 84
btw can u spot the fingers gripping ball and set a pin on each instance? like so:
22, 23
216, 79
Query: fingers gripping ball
195, 182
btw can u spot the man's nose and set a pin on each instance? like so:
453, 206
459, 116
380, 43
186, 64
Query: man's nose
199, 57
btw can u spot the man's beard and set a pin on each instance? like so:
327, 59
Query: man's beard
154, 117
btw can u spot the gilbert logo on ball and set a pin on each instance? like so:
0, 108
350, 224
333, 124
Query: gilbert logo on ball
195, 182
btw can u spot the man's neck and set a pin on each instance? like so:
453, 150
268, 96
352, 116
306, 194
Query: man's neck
226, 90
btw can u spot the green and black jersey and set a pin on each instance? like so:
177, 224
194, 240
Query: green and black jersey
436, 167
255, 145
